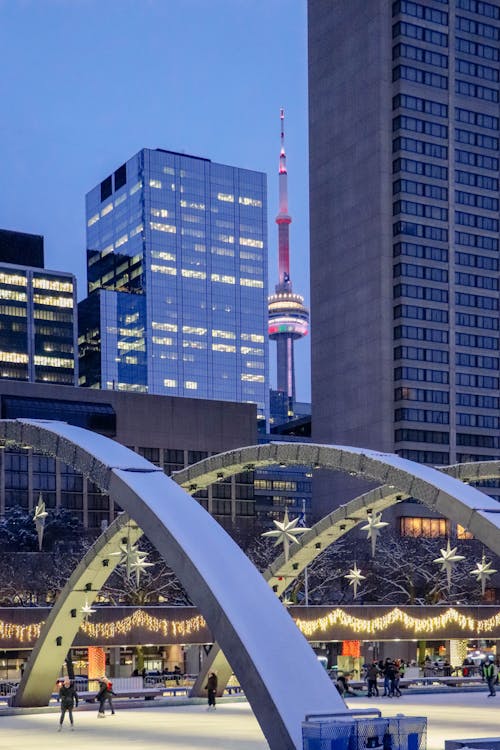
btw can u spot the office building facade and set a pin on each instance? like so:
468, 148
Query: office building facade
177, 280
38, 332
404, 170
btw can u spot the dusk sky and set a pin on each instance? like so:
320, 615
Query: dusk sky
88, 83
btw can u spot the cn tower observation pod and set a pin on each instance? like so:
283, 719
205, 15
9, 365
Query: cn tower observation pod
277, 668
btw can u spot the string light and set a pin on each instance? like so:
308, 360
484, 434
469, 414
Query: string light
141, 619
22, 633
397, 616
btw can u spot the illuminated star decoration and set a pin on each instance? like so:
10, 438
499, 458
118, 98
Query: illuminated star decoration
139, 565
448, 559
286, 532
483, 571
39, 519
373, 528
354, 576
87, 610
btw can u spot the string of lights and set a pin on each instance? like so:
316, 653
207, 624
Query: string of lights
397, 616
141, 619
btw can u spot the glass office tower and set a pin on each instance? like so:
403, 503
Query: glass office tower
177, 280
404, 157
37, 314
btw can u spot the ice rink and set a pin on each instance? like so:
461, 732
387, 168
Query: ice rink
232, 726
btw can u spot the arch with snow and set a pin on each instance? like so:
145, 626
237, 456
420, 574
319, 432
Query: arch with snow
439, 490
279, 672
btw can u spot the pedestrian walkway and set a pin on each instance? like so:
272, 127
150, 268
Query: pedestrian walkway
232, 726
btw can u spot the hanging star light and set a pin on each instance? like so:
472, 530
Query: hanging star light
128, 555
139, 565
39, 519
373, 527
483, 571
87, 610
448, 559
286, 533
355, 577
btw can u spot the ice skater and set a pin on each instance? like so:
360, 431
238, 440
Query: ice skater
211, 686
69, 698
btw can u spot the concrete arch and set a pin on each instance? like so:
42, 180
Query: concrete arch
400, 479
59, 630
248, 620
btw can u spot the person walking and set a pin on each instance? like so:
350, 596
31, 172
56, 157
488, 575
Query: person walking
211, 686
69, 698
490, 672
104, 694
371, 679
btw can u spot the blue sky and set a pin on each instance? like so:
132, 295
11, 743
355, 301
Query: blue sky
87, 83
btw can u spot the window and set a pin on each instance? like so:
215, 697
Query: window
420, 354
420, 251
419, 167
420, 147
120, 176
418, 10
416, 75
419, 54
106, 188
420, 230
415, 103
479, 92
413, 270
426, 527
412, 31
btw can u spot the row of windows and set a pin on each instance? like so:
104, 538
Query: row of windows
476, 300
476, 381
476, 400
424, 527
422, 355
464, 359
480, 7
420, 292
421, 272
478, 71
421, 334
421, 394
420, 188
421, 374
478, 201
420, 167
476, 261
418, 54
477, 49
476, 240
478, 420
480, 29
422, 415
420, 147
415, 75
421, 436
418, 104
421, 313
435, 458
476, 321
476, 180
412, 31
476, 139
479, 342
420, 230
479, 119
420, 11
476, 160
420, 209
420, 251
478, 92
479, 282
474, 220
479, 441
417, 125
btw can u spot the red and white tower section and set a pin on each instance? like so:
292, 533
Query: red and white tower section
288, 318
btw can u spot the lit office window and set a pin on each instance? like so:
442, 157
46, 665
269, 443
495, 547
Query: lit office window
191, 385
428, 527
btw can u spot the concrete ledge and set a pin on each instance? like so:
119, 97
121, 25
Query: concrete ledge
484, 743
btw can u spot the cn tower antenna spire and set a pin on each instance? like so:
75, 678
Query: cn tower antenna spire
288, 318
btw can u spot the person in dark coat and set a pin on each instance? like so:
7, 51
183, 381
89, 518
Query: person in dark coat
211, 686
104, 694
371, 679
69, 698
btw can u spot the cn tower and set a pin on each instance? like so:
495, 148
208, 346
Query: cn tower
288, 318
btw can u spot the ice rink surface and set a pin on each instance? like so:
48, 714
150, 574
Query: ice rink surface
233, 726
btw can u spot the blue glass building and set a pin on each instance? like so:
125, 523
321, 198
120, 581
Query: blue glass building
177, 280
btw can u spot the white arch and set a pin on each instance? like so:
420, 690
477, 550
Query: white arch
273, 661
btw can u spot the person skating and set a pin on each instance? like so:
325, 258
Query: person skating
490, 672
104, 694
371, 679
211, 687
69, 698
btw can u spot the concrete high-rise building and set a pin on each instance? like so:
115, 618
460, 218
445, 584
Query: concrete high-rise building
404, 178
38, 341
288, 318
177, 280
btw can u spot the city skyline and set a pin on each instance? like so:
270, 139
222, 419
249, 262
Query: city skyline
81, 95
